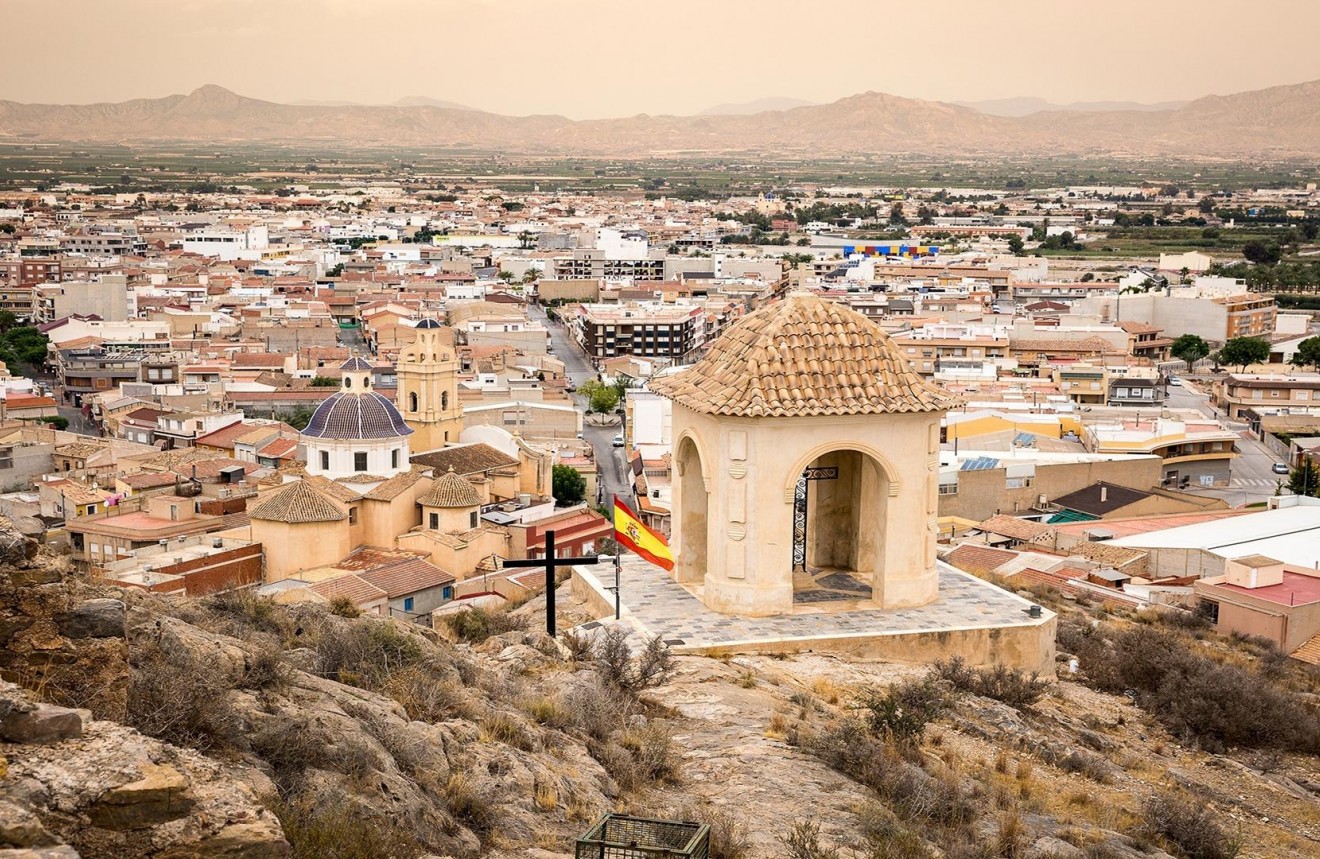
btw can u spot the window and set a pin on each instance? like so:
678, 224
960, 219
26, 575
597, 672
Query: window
394, 458
407, 603
359, 460
473, 518
1017, 482
444, 400
948, 489
435, 522
412, 401
6, 457
352, 516
325, 460
348, 381
1209, 609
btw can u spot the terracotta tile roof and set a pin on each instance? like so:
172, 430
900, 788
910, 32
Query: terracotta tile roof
465, 459
393, 487
1308, 652
1095, 345
297, 503
354, 587
803, 356
451, 490
407, 576
1011, 526
78, 450
978, 559
149, 479
333, 488
277, 447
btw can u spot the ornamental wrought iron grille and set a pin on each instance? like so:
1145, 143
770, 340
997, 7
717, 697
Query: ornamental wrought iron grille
800, 496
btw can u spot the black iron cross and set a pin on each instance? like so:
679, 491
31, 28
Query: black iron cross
550, 562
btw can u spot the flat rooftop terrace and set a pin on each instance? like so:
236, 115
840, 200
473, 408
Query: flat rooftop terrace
992, 619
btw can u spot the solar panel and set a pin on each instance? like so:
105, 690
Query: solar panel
979, 463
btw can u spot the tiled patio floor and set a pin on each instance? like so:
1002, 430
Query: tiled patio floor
660, 606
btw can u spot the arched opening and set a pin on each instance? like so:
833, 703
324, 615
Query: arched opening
348, 381
444, 400
838, 528
692, 504
412, 401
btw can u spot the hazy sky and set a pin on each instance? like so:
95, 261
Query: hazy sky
593, 58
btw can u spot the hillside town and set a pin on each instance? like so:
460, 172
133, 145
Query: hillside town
391, 379
873, 479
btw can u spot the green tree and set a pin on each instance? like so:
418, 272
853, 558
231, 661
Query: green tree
1305, 479
57, 421
1190, 349
569, 486
1244, 351
324, 382
1262, 253
1015, 245
1308, 353
7, 320
604, 400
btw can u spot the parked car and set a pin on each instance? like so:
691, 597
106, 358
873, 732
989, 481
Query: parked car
618, 440
1281, 468
1175, 381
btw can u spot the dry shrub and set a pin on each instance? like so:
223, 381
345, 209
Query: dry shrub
264, 667
885, 766
1011, 835
504, 728
428, 693
1085, 764
366, 653
1190, 826
244, 610
548, 710
728, 831
903, 710
176, 697
475, 624
887, 837
337, 833
802, 841
1218, 706
468, 805
580, 647
617, 666
342, 606
653, 752
1007, 685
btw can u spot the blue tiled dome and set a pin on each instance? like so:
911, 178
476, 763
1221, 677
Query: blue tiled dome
353, 415
429, 323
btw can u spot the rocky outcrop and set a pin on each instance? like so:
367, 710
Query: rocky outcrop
99, 789
57, 632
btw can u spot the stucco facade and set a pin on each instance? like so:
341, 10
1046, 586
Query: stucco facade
734, 495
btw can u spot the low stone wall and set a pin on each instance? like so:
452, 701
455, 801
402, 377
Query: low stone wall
1028, 645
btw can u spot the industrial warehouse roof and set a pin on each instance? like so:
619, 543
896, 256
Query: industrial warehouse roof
1290, 534
803, 356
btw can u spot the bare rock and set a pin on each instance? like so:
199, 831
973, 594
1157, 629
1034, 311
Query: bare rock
160, 795
19, 827
42, 723
1050, 847
60, 851
15, 548
96, 618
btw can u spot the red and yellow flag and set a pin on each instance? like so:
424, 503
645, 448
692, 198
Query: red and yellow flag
632, 534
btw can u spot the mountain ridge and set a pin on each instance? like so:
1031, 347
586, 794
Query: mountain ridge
1282, 121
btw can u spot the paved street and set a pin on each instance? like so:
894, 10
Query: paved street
612, 475
1252, 479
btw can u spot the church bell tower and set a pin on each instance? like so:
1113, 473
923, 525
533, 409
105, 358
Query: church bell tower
428, 387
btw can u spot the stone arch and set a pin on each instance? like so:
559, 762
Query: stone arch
412, 402
842, 526
702, 454
691, 511
887, 468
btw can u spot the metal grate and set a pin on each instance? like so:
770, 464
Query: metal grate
616, 836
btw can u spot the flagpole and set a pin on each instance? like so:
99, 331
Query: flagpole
618, 560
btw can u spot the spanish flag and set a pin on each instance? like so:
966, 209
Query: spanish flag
632, 534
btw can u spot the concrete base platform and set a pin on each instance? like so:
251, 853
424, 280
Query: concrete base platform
983, 624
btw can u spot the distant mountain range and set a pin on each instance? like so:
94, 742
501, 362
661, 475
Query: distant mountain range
760, 105
1282, 121
1027, 105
